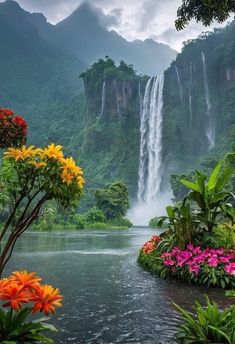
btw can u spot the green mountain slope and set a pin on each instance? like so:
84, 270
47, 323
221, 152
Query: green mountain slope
83, 35
35, 75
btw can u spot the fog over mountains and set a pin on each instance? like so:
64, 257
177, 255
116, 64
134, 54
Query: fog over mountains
83, 35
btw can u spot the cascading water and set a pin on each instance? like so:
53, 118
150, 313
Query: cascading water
209, 127
179, 83
150, 162
124, 94
103, 98
117, 100
190, 93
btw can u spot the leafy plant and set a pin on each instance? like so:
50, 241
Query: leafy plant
209, 195
180, 223
209, 325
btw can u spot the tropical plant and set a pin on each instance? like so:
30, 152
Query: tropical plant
30, 177
113, 200
209, 325
204, 11
179, 222
22, 295
210, 196
13, 129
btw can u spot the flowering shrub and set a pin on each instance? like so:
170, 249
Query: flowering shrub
21, 295
13, 129
211, 267
150, 245
30, 177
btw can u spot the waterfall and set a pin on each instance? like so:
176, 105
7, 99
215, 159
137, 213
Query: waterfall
190, 94
179, 83
209, 128
117, 100
150, 161
124, 94
103, 99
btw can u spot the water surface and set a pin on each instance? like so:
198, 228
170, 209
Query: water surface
108, 298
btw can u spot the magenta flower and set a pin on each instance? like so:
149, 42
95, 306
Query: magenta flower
169, 262
195, 269
230, 269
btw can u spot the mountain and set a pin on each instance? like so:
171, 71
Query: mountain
34, 73
83, 35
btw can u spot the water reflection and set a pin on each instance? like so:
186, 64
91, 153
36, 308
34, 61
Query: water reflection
108, 298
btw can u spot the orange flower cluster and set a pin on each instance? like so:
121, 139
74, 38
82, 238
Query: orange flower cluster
150, 245
46, 160
13, 129
23, 287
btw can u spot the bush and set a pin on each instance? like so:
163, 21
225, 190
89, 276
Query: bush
209, 267
94, 215
121, 222
209, 325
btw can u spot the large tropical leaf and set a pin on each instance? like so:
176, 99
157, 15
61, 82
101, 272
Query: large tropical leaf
213, 178
224, 178
190, 185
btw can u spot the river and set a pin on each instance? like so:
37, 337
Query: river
108, 298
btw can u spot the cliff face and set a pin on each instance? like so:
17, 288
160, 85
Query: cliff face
199, 98
110, 148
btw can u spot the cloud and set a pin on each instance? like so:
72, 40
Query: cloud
133, 19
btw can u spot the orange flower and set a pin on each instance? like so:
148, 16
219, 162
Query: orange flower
15, 294
3, 284
46, 299
53, 151
67, 177
26, 279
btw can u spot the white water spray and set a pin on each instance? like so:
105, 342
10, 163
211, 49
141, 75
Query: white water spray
209, 128
150, 162
190, 94
179, 84
103, 98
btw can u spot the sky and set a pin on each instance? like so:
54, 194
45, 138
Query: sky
133, 19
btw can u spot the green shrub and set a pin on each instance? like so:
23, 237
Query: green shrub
208, 326
94, 215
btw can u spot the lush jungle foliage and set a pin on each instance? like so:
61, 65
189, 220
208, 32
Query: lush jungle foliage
198, 246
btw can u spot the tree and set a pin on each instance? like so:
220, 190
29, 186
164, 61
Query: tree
113, 200
204, 11
29, 178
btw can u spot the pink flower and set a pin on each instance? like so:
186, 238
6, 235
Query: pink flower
213, 261
230, 269
166, 255
190, 247
195, 269
169, 262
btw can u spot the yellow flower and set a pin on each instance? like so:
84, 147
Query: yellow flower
38, 164
70, 165
53, 151
67, 177
20, 154
81, 181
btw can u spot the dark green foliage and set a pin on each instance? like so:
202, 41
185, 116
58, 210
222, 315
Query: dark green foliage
14, 328
94, 215
113, 200
211, 197
209, 325
204, 11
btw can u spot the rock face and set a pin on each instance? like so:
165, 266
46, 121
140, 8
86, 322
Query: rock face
113, 93
199, 99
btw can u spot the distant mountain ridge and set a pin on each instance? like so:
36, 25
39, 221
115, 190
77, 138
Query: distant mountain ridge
82, 35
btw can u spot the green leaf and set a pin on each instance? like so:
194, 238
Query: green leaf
190, 185
213, 178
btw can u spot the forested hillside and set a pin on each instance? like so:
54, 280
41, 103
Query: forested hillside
199, 100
